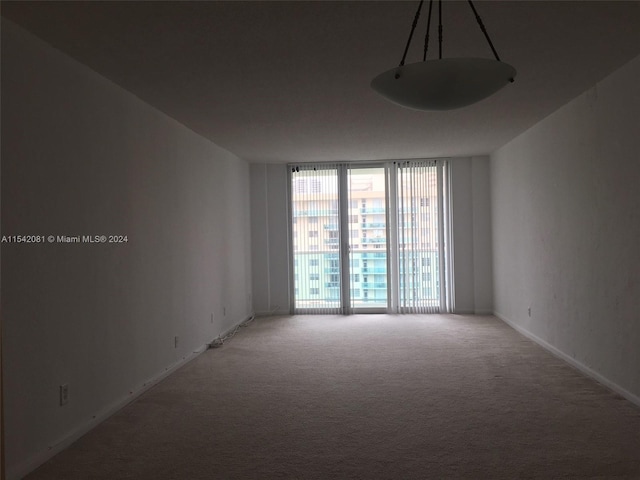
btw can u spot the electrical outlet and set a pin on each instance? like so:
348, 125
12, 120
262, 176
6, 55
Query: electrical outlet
64, 394
224, 311
212, 318
175, 342
529, 311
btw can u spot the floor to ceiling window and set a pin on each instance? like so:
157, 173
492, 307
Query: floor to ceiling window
315, 200
369, 237
367, 247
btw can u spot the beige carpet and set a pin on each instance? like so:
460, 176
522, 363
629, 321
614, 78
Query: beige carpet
366, 397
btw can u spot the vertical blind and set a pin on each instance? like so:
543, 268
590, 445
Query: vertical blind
418, 234
316, 238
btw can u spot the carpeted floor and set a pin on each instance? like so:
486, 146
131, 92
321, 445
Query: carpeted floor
366, 397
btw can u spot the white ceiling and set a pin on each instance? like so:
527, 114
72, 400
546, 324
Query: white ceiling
289, 81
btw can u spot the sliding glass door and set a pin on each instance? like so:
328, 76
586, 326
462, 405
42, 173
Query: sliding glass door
369, 238
315, 222
421, 238
367, 226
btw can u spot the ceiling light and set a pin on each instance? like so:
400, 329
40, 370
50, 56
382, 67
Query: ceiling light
446, 83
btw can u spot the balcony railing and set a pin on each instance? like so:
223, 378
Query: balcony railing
374, 240
374, 286
373, 255
374, 270
315, 213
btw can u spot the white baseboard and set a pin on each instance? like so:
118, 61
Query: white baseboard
274, 313
33, 462
41, 457
233, 327
572, 361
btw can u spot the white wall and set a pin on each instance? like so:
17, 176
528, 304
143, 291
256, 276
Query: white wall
269, 239
566, 230
471, 219
471, 231
82, 156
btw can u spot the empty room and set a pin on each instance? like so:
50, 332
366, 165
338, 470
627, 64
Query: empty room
320, 239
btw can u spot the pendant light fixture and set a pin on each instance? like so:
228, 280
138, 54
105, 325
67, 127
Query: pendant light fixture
446, 83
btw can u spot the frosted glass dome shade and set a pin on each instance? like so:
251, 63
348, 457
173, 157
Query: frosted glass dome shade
443, 84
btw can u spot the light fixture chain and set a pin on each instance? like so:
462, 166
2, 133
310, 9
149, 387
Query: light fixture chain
426, 37
440, 29
413, 27
484, 30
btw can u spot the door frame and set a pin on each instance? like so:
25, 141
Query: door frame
346, 245
391, 245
